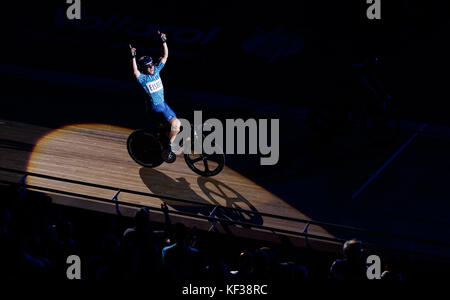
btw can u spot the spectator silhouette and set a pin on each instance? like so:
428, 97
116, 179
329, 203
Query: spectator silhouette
353, 266
181, 262
142, 248
261, 267
292, 273
217, 270
245, 267
109, 262
391, 272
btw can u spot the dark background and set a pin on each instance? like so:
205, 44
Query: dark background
292, 53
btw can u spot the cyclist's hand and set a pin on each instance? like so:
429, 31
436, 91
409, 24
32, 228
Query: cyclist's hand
133, 51
162, 36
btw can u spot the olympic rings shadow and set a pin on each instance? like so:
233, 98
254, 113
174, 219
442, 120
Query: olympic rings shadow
217, 192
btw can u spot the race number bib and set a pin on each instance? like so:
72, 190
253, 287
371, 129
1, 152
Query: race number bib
154, 86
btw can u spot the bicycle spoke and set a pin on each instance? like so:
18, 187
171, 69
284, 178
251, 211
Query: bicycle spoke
205, 162
196, 159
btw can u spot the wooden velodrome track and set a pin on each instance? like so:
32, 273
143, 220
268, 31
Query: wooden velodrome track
96, 153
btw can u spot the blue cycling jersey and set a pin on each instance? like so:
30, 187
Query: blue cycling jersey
152, 84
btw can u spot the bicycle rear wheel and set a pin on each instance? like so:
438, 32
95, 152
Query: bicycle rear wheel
144, 148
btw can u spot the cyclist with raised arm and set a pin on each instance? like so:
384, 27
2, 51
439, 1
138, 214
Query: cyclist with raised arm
147, 74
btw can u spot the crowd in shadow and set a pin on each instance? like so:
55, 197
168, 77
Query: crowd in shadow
37, 237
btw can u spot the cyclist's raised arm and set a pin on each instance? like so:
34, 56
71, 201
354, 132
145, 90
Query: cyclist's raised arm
133, 61
165, 49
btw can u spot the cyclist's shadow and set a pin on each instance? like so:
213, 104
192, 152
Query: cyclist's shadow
217, 192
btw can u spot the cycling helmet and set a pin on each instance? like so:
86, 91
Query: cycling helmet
144, 61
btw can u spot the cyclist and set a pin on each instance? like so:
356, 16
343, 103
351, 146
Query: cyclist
147, 74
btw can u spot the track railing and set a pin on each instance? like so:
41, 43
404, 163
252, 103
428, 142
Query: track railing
213, 219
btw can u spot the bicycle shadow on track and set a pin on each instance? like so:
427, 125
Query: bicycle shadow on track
217, 193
